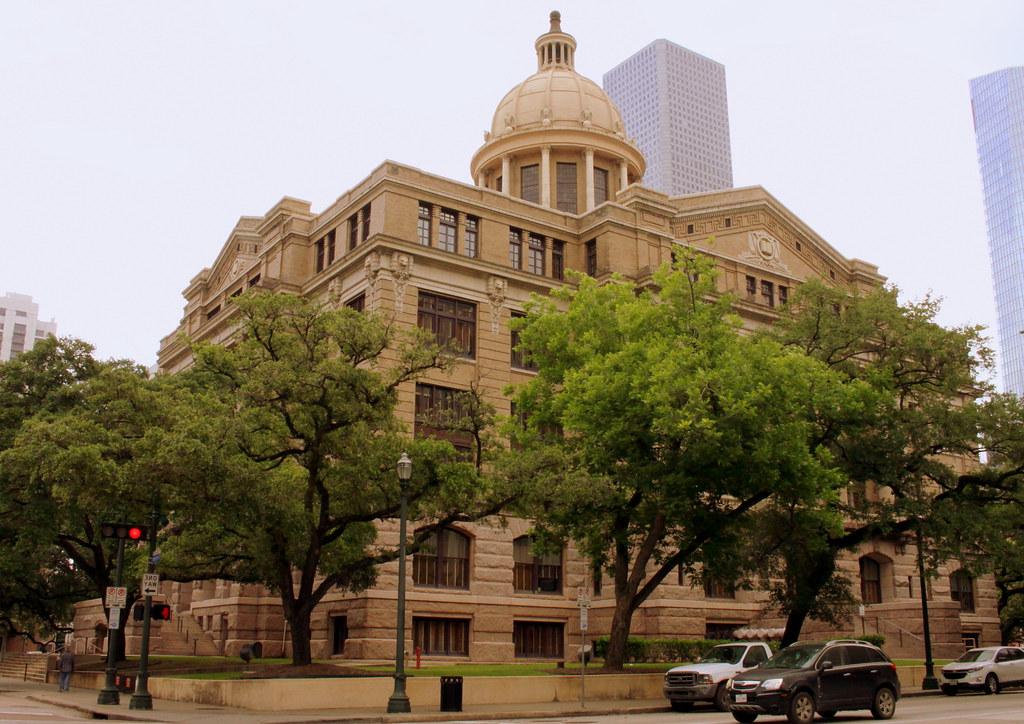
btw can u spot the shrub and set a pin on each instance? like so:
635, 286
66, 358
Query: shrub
641, 650
876, 639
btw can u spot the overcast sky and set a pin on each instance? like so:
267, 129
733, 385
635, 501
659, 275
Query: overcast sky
134, 134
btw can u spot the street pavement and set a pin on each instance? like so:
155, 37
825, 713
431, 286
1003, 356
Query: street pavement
22, 701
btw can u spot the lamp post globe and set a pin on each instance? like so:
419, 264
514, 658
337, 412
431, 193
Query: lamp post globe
399, 701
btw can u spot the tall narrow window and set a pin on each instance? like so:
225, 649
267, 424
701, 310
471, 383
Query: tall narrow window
515, 248
319, 255
535, 573
470, 236
353, 232
519, 359
767, 293
565, 180
423, 224
447, 224
751, 288
364, 216
557, 259
450, 320
530, 183
600, 186
783, 295
330, 247
535, 255
870, 581
592, 257
961, 588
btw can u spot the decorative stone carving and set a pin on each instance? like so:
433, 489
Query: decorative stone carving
372, 268
586, 118
242, 262
510, 123
334, 291
764, 250
496, 287
487, 136
401, 271
545, 116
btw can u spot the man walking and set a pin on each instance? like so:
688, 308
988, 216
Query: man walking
65, 664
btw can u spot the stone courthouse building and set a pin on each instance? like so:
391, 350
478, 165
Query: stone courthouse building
555, 189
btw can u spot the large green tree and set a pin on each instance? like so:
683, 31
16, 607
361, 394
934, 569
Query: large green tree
675, 426
307, 397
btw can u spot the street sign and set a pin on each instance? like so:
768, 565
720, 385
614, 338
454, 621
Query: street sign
114, 622
584, 615
150, 584
117, 597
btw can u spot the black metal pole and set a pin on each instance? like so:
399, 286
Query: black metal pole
399, 701
109, 694
141, 698
929, 681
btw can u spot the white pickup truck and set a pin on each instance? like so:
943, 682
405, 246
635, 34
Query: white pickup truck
705, 680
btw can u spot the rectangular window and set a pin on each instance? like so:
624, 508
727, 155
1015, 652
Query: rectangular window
364, 214
689, 228
598, 575
714, 588
751, 288
353, 232
535, 255
557, 259
600, 186
439, 414
447, 224
254, 281
357, 302
720, 631
728, 222
592, 257
450, 320
423, 224
320, 255
339, 634
470, 236
530, 183
565, 178
441, 636
515, 248
330, 246
783, 295
767, 293
209, 315
519, 359
538, 640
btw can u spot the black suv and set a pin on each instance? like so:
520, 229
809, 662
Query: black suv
817, 677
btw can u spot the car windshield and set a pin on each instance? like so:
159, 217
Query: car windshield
793, 657
723, 655
977, 655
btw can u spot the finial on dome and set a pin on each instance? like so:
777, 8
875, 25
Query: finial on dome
556, 22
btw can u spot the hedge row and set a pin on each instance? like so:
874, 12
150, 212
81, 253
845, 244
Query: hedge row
640, 650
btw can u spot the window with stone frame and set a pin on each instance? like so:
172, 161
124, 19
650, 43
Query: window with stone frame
538, 639
423, 224
449, 320
717, 588
557, 259
515, 248
319, 255
767, 293
440, 414
783, 295
529, 182
471, 227
442, 561
535, 573
961, 588
870, 581
535, 255
441, 636
364, 218
591, 249
519, 359
447, 228
751, 288
565, 180
600, 186
357, 302
353, 232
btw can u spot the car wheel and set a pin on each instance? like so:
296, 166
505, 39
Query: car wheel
827, 715
991, 684
884, 705
682, 706
949, 690
744, 717
801, 708
722, 698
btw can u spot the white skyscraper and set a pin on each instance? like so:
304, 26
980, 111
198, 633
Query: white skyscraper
20, 325
673, 103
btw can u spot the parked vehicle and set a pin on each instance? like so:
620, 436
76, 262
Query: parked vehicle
824, 677
705, 680
986, 669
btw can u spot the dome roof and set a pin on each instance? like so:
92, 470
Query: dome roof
556, 97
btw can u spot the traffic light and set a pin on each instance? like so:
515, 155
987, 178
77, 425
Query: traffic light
127, 531
139, 612
159, 612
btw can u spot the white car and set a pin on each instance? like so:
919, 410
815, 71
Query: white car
986, 669
705, 680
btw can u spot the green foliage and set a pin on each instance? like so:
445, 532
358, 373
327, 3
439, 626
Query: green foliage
876, 639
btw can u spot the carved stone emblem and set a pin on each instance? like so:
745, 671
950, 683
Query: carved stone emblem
401, 271
496, 287
372, 267
764, 250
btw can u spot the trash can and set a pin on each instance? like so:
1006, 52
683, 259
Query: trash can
451, 693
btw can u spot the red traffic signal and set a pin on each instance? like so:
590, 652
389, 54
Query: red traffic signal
159, 612
126, 531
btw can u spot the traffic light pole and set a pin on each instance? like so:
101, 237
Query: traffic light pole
109, 693
141, 698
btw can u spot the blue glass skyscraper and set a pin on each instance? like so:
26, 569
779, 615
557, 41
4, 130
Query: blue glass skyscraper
997, 101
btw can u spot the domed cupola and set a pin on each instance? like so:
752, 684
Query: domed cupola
556, 138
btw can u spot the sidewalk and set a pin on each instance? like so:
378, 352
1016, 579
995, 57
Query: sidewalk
84, 701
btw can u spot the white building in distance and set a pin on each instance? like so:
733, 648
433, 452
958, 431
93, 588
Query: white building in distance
20, 325
673, 103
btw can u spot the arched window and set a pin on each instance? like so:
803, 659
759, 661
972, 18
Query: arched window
961, 588
443, 561
870, 581
535, 573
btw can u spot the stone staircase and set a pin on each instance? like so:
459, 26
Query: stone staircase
183, 636
26, 667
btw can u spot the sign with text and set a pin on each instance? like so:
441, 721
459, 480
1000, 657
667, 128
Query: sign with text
117, 597
150, 584
114, 622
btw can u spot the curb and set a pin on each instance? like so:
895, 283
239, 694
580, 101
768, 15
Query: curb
479, 716
94, 711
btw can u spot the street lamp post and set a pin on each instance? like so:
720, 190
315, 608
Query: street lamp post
929, 681
399, 701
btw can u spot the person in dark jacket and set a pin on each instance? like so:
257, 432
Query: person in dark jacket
65, 664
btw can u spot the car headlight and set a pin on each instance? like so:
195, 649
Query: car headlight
704, 679
972, 670
771, 684
728, 684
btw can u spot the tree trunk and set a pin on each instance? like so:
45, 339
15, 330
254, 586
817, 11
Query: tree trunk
301, 632
615, 658
808, 585
794, 624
